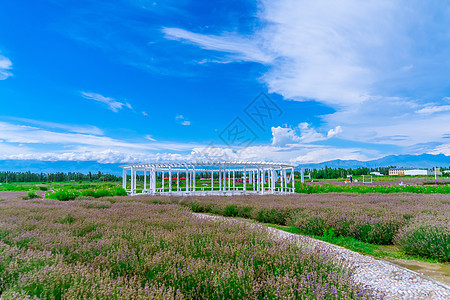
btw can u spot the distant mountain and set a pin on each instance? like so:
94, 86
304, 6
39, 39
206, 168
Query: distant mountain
427, 161
37, 166
407, 161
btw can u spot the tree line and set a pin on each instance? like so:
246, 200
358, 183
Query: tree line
56, 177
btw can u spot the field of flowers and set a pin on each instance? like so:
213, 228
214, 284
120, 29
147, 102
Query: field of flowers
418, 223
364, 189
122, 248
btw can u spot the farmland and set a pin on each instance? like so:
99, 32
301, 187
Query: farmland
119, 248
418, 224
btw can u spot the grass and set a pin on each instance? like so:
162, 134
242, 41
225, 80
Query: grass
380, 219
380, 251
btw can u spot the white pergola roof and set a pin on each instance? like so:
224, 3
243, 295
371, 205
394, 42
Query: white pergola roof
276, 165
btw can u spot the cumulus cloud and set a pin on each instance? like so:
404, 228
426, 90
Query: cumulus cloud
5, 66
282, 136
295, 153
111, 103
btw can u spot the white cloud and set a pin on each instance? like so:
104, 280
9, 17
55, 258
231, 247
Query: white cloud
358, 58
105, 156
243, 49
5, 65
441, 149
150, 138
182, 120
112, 104
144, 113
29, 135
282, 136
433, 109
294, 153
87, 129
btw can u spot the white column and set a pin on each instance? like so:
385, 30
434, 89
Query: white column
257, 180
245, 180
224, 179
292, 179
132, 180
263, 180
229, 180
162, 180
170, 180
285, 182
187, 180
178, 181
212, 180
152, 181
220, 178
234, 181
253, 179
145, 179
193, 179
124, 178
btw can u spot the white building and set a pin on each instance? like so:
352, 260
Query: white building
415, 172
376, 174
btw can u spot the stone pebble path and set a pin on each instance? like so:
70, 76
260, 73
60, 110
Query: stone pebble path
379, 276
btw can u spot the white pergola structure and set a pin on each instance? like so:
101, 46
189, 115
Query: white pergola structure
225, 178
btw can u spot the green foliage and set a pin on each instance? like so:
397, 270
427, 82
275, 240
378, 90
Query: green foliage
231, 210
55, 177
96, 191
119, 191
364, 189
426, 238
62, 195
31, 195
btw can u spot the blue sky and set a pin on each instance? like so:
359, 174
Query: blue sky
132, 81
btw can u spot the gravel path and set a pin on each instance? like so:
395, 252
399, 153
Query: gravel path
380, 276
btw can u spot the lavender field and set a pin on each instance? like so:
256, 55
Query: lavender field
125, 248
418, 224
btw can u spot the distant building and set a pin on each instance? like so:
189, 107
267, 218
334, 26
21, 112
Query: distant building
412, 172
418, 172
398, 172
376, 174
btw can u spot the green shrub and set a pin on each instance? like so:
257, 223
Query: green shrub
31, 195
119, 191
427, 238
231, 210
62, 195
